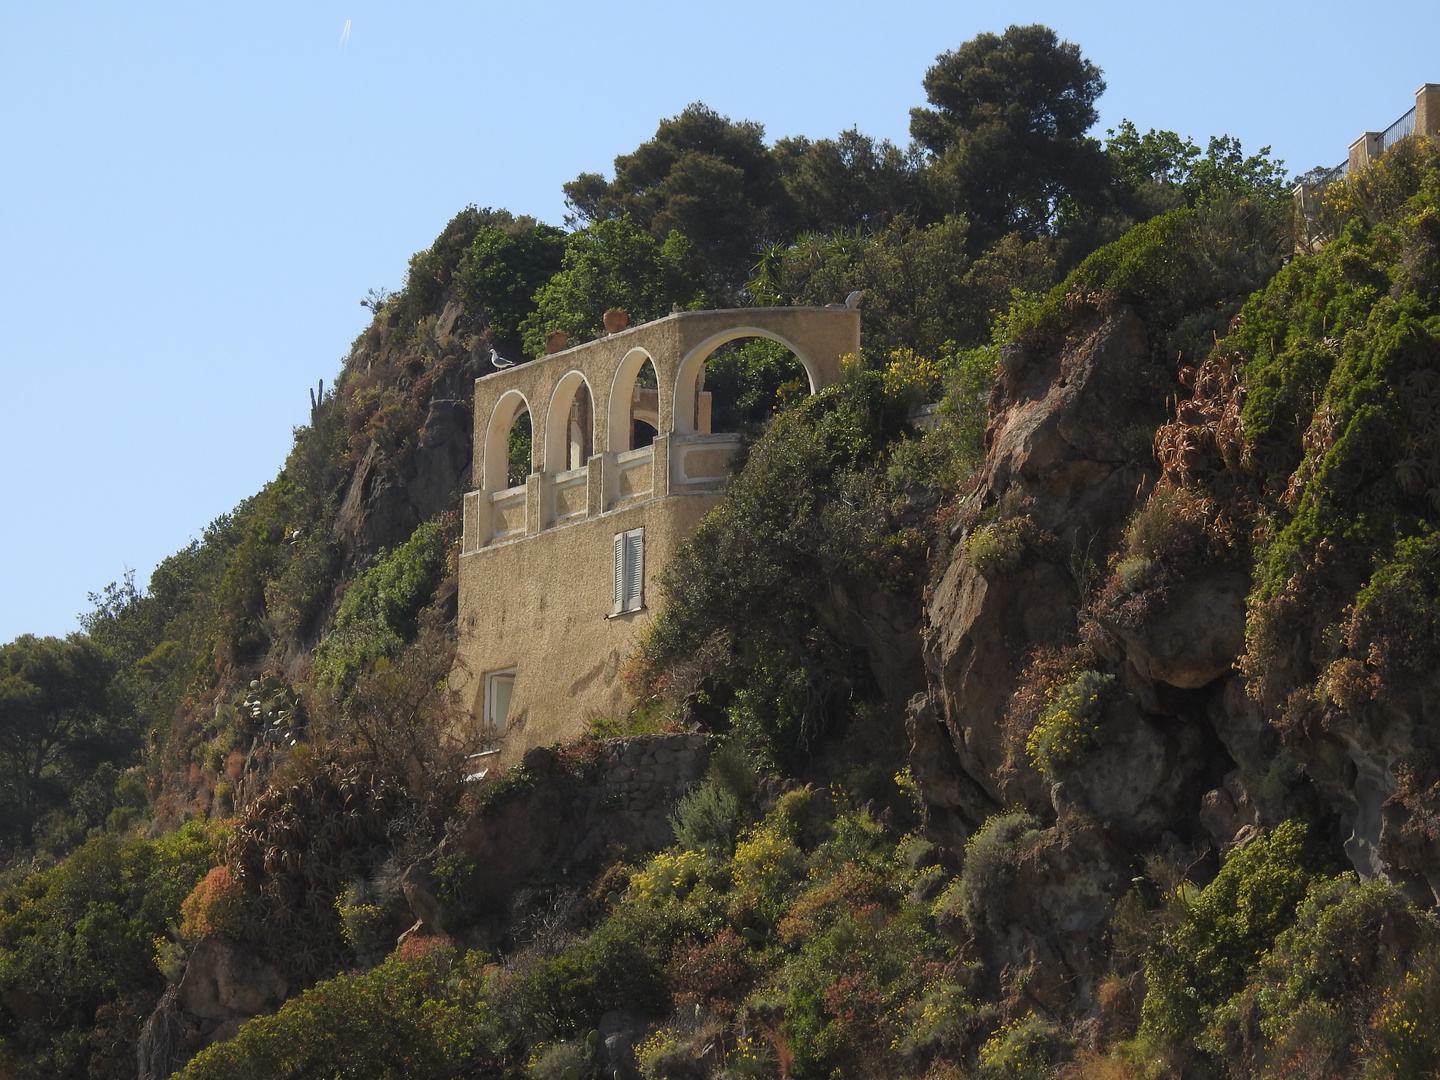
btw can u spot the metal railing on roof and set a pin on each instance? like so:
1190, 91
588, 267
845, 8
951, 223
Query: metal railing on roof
1318, 180
1398, 130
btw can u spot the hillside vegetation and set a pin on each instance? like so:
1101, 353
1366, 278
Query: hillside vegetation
1086, 733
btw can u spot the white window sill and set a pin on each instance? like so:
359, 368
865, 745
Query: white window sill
622, 614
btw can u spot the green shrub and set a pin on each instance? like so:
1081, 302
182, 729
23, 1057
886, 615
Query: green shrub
366, 925
81, 935
1135, 572
1354, 978
741, 622
418, 1019
380, 610
861, 960
1336, 356
1174, 267
991, 858
1204, 960
708, 818
619, 966
1169, 529
998, 548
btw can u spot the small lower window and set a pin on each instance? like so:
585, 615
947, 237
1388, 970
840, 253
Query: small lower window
498, 687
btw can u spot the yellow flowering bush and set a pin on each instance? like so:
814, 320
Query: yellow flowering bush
654, 1052
909, 376
677, 1052
766, 864
1402, 1031
996, 549
767, 860
941, 1020
750, 1058
1068, 725
1024, 1049
669, 874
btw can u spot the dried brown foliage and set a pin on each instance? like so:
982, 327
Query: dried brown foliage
715, 974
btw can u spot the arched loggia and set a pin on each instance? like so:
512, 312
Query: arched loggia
496, 470
569, 425
692, 369
626, 405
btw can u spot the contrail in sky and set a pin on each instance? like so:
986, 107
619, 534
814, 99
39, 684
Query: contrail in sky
345, 34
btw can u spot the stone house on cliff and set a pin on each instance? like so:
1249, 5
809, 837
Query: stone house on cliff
556, 572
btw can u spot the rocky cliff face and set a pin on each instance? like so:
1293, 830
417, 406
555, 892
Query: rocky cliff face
1179, 755
398, 483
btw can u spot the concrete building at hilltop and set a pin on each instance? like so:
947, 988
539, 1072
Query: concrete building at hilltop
556, 572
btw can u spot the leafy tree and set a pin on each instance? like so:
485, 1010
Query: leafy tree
851, 180
77, 948
921, 285
611, 264
58, 720
432, 270
504, 267
1164, 159
1007, 136
704, 176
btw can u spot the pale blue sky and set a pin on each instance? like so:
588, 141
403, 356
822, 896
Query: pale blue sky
194, 198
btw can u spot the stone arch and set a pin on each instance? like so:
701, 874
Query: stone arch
617, 414
497, 439
559, 438
687, 377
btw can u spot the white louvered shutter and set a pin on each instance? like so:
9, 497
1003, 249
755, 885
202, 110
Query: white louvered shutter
634, 569
619, 575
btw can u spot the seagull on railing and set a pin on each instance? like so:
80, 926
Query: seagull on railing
498, 362
853, 300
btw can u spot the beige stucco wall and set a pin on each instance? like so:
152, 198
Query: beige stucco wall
541, 604
536, 560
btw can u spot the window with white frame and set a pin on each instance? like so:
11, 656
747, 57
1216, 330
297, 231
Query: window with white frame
629, 573
498, 687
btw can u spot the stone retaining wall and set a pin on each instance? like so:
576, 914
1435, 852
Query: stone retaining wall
581, 808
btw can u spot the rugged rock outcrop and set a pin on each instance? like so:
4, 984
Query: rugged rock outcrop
568, 817
225, 984
389, 495
1177, 747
